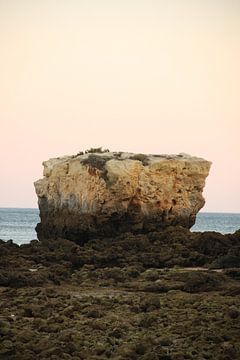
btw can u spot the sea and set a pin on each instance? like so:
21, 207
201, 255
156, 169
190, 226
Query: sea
19, 224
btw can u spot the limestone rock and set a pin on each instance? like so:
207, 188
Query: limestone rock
103, 194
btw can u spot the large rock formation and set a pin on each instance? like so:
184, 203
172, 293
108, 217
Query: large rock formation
103, 194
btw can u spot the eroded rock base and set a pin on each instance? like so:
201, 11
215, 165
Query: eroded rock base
81, 229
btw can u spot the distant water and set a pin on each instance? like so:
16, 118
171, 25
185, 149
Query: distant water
222, 222
19, 224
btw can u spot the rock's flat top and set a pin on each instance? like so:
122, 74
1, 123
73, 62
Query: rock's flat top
149, 159
96, 194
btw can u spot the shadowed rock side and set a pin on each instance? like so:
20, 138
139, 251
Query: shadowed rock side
105, 194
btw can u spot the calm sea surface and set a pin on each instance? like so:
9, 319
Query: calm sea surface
19, 224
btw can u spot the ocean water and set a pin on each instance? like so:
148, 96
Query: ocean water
224, 223
19, 224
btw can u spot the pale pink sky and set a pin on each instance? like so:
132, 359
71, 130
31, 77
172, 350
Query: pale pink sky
132, 75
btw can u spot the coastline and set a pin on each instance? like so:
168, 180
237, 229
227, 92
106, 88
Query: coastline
170, 295
19, 224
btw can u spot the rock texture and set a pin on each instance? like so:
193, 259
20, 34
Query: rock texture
103, 194
167, 295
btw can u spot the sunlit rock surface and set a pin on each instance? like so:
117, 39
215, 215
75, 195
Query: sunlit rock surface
103, 194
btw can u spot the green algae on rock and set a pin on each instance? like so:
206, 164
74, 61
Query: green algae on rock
136, 296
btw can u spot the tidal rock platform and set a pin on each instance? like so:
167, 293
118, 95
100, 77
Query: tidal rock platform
99, 194
167, 295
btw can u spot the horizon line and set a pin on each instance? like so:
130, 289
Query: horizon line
200, 212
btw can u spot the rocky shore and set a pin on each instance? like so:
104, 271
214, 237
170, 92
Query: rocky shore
168, 295
117, 274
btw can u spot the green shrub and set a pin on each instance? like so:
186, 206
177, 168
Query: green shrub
96, 150
95, 161
141, 157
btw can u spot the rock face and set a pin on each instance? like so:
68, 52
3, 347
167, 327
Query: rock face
104, 194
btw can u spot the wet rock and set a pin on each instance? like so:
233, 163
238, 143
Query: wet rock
234, 313
165, 341
227, 261
150, 303
110, 304
201, 281
7, 348
233, 273
5, 328
141, 348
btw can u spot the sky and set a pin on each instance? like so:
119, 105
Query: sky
145, 76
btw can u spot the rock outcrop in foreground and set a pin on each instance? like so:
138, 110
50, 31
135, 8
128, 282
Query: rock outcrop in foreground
167, 295
107, 193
